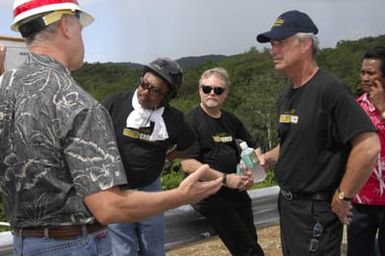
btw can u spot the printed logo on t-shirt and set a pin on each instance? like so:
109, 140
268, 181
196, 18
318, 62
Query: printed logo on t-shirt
222, 138
136, 134
288, 118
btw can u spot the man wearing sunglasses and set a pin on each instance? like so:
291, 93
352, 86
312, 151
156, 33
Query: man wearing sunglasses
146, 128
228, 211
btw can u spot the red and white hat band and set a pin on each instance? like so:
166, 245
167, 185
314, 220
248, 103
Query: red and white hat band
27, 5
23, 9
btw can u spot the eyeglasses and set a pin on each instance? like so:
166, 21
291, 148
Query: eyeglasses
217, 90
152, 90
314, 242
77, 14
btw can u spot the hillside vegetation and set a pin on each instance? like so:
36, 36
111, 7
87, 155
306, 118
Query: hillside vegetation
254, 91
255, 86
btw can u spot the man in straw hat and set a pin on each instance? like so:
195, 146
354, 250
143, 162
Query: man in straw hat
60, 166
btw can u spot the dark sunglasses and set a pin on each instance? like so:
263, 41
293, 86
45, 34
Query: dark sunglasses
217, 90
152, 90
77, 14
314, 242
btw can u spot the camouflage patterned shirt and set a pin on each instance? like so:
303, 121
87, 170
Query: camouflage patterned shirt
57, 146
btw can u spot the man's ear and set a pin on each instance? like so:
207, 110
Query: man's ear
64, 27
226, 92
306, 45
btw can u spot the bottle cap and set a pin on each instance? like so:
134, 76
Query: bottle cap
243, 145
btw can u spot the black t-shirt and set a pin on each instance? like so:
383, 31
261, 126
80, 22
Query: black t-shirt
143, 160
316, 125
216, 146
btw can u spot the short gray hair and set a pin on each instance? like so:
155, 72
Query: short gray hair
42, 35
315, 42
219, 72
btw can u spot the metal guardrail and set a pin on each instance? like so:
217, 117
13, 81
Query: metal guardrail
184, 225
5, 243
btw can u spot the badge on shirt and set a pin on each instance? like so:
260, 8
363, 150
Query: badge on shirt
222, 138
288, 119
136, 135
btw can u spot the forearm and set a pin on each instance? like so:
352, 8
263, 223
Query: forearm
232, 180
365, 150
117, 206
174, 154
114, 205
190, 165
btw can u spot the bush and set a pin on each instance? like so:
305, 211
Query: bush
171, 180
268, 182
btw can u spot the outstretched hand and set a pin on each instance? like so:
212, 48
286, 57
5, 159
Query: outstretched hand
195, 190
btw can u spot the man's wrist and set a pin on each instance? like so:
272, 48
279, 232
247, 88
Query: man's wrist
342, 196
224, 179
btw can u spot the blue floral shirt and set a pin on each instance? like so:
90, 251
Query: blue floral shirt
57, 145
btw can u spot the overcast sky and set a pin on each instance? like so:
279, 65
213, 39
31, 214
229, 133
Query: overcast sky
142, 30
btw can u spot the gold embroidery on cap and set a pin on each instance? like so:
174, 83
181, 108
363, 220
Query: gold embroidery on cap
278, 22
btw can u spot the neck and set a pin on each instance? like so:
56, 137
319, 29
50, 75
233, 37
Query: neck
212, 112
303, 73
51, 52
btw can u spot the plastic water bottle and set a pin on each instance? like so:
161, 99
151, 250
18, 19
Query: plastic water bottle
250, 159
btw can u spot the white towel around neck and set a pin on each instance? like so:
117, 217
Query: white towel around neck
141, 117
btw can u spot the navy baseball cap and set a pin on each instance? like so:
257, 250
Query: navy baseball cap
288, 24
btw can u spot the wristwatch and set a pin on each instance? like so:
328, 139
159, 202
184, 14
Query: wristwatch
341, 196
224, 179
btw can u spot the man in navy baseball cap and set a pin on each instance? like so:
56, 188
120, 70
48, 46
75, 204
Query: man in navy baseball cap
288, 24
316, 163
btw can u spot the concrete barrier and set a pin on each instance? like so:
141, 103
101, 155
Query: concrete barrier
184, 225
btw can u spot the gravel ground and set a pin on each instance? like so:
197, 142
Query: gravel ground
268, 238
